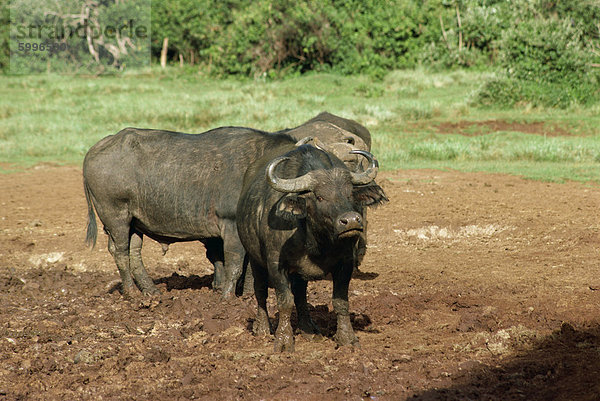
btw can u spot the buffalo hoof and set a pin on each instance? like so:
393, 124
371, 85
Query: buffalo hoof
343, 339
130, 293
308, 327
261, 328
227, 296
284, 344
248, 285
217, 285
313, 337
228, 292
151, 292
284, 336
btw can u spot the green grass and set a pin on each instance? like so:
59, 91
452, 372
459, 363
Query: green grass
57, 118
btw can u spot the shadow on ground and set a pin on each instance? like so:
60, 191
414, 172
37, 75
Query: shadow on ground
563, 366
178, 282
174, 282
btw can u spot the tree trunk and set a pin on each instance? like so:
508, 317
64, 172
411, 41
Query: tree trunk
163, 53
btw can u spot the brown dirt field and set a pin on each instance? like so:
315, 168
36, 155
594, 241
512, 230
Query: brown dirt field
475, 287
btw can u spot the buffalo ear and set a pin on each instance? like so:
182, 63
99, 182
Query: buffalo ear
369, 195
291, 207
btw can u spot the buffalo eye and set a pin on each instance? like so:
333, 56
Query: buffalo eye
320, 198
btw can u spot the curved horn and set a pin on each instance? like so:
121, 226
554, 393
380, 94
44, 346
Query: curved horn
371, 172
315, 141
320, 145
304, 141
300, 184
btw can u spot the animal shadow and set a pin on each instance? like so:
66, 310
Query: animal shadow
174, 282
325, 319
360, 275
193, 282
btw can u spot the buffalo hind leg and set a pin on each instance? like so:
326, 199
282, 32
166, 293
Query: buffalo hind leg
305, 324
214, 253
245, 285
140, 275
118, 246
341, 281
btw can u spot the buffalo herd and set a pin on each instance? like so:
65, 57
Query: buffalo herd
290, 204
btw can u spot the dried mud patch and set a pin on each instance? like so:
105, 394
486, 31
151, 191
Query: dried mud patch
474, 128
475, 286
471, 232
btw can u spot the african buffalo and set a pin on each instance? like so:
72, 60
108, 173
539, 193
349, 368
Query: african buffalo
171, 187
299, 219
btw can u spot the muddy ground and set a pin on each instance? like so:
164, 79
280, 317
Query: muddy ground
475, 287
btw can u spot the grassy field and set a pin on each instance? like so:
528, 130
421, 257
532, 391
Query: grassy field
418, 119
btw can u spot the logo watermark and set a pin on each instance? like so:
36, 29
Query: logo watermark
79, 36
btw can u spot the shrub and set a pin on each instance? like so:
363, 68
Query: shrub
545, 51
348, 36
507, 92
467, 34
192, 26
546, 58
265, 37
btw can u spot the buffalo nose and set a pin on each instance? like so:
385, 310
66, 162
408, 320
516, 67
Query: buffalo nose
349, 221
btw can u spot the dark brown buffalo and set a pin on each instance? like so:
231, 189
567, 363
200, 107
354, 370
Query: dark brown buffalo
299, 219
339, 136
171, 187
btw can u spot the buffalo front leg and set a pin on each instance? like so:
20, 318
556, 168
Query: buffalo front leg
233, 253
341, 281
284, 335
261, 326
140, 275
305, 324
361, 245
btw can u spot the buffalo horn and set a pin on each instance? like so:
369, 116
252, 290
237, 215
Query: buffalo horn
371, 172
320, 145
304, 141
300, 184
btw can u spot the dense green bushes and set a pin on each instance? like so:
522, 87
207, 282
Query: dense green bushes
549, 56
285, 37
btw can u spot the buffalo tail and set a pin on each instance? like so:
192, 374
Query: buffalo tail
92, 228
